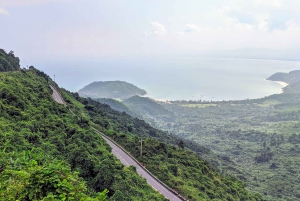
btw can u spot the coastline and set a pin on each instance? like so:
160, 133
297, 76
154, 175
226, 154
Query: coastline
283, 84
281, 90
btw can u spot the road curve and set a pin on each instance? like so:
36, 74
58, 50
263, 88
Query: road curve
128, 160
56, 96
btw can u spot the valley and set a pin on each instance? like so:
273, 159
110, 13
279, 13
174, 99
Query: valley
259, 135
50, 151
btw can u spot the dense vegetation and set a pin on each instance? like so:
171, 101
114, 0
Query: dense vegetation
291, 77
182, 170
48, 153
261, 136
111, 89
8, 62
31, 175
116, 105
30, 120
148, 108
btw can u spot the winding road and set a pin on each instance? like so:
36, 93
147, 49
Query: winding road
128, 160
56, 96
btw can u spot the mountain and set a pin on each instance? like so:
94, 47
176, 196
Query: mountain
183, 170
149, 109
290, 78
111, 89
8, 61
116, 105
261, 136
49, 153
140, 107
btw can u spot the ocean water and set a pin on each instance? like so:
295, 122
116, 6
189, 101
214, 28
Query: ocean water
176, 78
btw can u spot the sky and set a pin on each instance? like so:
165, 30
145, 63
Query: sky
47, 29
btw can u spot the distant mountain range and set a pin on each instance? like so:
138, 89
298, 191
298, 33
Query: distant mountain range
111, 89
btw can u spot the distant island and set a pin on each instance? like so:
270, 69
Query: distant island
111, 89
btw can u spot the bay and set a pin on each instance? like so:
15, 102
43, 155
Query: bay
176, 78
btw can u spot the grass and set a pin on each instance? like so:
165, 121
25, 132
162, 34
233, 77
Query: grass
269, 103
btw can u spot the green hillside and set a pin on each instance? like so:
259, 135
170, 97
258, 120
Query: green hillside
47, 153
182, 170
149, 109
116, 105
111, 89
290, 78
31, 121
8, 61
261, 137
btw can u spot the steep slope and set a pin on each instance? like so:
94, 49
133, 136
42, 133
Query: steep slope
30, 120
290, 78
116, 105
32, 175
149, 109
260, 135
111, 89
182, 170
8, 61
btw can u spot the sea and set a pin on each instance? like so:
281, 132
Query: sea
175, 78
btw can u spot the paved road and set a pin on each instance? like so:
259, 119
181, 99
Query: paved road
127, 160
56, 96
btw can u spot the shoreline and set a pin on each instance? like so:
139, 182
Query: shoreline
283, 84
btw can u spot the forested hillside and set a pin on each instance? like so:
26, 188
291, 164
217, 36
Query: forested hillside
148, 109
116, 105
8, 61
258, 138
261, 136
111, 89
49, 153
34, 130
290, 78
182, 170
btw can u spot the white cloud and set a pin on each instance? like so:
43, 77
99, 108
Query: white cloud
181, 33
3, 11
12, 3
273, 3
158, 29
192, 28
263, 25
262, 15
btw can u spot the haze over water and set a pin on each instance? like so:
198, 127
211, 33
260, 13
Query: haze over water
178, 78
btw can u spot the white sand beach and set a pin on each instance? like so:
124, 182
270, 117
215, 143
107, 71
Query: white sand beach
283, 84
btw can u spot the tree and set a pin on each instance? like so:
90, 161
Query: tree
118, 196
35, 176
181, 144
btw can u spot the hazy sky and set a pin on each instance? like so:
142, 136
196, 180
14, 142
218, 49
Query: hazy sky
37, 29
